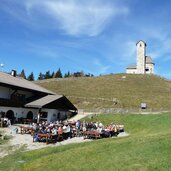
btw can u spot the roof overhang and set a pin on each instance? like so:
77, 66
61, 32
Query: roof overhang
18, 83
52, 102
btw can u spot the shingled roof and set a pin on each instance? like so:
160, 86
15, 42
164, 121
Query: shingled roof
9, 80
149, 60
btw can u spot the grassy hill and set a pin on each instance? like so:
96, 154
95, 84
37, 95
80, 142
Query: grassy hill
114, 91
147, 148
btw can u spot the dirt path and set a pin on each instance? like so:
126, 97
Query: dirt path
18, 140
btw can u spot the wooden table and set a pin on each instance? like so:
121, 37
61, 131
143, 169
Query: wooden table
91, 134
41, 136
26, 130
48, 137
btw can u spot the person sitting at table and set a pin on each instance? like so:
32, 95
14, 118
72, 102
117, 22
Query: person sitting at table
55, 134
35, 126
35, 138
78, 126
100, 125
99, 129
40, 131
68, 131
84, 126
65, 131
60, 133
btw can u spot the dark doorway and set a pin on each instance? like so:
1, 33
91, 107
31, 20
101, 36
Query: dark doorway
10, 115
30, 115
58, 115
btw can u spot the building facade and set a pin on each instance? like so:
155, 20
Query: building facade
145, 64
21, 99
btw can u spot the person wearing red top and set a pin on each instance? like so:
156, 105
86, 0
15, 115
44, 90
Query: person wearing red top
60, 133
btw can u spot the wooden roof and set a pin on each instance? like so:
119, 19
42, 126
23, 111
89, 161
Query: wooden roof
21, 83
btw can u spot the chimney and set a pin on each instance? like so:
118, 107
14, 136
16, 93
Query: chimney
14, 73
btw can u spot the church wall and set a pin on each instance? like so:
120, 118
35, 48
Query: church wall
131, 71
150, 68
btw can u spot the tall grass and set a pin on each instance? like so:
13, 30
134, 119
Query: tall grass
128, 90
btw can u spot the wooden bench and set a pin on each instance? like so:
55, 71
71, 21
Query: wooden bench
91, 134
41, 136
47, 137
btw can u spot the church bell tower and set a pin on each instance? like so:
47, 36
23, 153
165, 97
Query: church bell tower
141, 53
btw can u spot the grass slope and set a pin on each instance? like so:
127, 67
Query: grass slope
147, 148
87, 93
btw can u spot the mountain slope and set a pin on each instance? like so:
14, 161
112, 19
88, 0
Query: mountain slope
114, 91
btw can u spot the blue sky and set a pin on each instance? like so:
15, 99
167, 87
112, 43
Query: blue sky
96, 36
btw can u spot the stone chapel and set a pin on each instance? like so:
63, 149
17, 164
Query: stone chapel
145, 64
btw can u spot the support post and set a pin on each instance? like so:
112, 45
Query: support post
38, 116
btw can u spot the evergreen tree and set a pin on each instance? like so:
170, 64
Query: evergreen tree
23, 74
58, 74
41, 76
53, 75
47, 75
67, 74
31, 77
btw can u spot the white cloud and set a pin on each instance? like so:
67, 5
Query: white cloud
74, 17
162, 50
82, 18
159, 42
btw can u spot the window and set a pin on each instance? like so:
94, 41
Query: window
43, 114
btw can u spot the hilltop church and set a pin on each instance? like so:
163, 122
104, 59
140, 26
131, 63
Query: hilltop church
145, 64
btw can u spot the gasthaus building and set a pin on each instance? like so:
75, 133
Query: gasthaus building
21, 99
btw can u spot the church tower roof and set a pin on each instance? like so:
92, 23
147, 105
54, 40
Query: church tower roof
140, 42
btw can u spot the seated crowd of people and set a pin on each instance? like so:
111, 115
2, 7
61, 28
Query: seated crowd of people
60, 130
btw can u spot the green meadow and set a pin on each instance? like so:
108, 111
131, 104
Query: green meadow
147, 148
129, 91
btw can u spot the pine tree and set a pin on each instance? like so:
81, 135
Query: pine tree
53, 75
23, 74
47, 75
41, 76
31, 77
58, 74
67, 74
